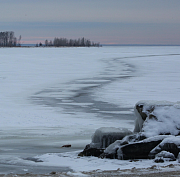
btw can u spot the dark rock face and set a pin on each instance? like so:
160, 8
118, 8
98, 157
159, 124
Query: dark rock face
159, 160
88, 151
169, 147
137, 150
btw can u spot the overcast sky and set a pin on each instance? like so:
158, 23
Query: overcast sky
104, 21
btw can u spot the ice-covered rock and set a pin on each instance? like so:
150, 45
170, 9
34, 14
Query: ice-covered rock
111, 150
105, 136
102, 138
170, 144
157, 117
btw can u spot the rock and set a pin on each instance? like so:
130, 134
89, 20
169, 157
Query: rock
157, 118
102, 138
139, 150
164, 156
89, 151
159, 160
53, 173
170, 144
105, 136
111, 150
67, 145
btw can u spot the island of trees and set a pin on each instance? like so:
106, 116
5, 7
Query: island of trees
64, 42
8, 39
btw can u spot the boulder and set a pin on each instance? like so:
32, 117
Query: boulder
105, 136
170, 144
164, 156
140, 149
102, 138
111, 150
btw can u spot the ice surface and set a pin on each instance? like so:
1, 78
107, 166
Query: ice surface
152, 74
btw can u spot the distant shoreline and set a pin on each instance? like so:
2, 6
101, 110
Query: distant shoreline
102, 45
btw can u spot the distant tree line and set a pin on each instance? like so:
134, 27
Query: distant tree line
64, 42
8, 39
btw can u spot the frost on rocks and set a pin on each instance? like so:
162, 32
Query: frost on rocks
157, 117
105, 136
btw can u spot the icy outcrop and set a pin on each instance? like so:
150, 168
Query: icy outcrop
105, 136
156, 131
157, 117
102, 138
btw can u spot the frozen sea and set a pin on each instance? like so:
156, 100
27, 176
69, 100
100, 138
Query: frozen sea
51, 97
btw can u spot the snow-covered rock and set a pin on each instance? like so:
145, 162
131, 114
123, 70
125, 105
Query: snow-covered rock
170, 144
111, 150
130, 142
102, 138
164, 156
157, 117
105, 136
139, 149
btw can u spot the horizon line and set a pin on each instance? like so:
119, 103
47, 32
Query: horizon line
125, 44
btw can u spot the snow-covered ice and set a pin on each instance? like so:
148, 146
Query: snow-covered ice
53, 96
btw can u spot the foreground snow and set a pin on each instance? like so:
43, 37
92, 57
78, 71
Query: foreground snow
117, 75
89, 164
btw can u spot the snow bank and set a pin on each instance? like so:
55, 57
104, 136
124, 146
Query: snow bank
157, 117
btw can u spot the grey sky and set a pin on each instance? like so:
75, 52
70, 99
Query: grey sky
105, 21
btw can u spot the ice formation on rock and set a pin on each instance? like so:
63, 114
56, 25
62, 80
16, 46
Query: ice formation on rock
105, 136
